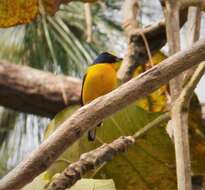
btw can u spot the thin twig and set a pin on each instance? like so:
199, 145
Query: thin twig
188, 90
147, 48
130, 9
157, 121
100, 156
90, 115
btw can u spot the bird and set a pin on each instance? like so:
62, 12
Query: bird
100, 78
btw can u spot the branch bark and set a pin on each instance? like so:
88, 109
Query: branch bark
99, 156
181, 139
91, 114
32, 91
181, 108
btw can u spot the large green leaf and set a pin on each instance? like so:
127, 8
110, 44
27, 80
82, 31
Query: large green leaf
143, 166
83, 184
149, 164
146, 163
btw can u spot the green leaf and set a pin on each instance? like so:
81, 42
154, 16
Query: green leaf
83, 184
144, 165
149, 164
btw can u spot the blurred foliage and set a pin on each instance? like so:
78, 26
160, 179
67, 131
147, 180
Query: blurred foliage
20, 134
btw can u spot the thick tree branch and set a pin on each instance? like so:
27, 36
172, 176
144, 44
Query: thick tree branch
32, 91
91, 114
99, 156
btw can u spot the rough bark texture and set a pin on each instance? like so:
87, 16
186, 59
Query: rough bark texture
181, 141
32, 91
91, 114
181, 108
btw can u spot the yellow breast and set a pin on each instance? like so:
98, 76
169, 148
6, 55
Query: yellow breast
100, 79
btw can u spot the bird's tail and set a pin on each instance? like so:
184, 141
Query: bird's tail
92, 133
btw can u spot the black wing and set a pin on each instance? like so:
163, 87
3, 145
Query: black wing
81, 96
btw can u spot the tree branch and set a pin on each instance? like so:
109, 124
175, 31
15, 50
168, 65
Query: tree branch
99, 156
198, 3
32, 91
193, 31
91, 114
182, 154
193, 34
181, 108
155, 36
130, 9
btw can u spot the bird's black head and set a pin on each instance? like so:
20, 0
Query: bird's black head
106, 58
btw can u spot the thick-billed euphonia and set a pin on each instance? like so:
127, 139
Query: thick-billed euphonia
100, 78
